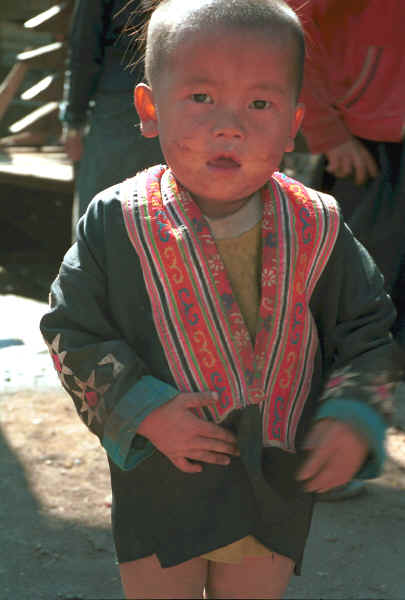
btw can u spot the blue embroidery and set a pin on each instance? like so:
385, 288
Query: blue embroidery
227, 300
270, 240
164, 236
267, 321
304, 216
249, 376
191, 318
298, 311
217, 380
199, 224
278, 415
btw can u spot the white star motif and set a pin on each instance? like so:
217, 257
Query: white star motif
110, 359
58, 358
91, 397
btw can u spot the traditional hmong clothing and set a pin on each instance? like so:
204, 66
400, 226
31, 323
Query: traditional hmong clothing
143, 309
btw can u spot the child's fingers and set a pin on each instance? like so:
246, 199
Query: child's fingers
215, 445
199, 399
213, 458
322, 442
333, 473
317, 460
186, 465
326, 477
314, 437
210, 430
337, 453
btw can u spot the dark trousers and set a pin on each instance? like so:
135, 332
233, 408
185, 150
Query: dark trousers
375, 212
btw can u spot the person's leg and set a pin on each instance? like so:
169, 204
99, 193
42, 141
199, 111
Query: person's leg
145, 578
260, 577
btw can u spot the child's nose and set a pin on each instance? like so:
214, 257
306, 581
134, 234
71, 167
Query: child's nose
228, 126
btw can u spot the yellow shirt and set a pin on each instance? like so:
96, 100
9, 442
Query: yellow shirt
241, 256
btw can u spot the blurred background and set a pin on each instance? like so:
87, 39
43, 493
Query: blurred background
36, 177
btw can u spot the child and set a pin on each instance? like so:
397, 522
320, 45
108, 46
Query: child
216, 323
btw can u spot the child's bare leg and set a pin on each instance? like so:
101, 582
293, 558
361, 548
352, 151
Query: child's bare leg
261, 577
145, 578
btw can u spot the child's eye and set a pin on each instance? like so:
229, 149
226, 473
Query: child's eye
260, 104
201, 98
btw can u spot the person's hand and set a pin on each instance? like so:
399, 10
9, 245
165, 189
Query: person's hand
352, 157
184, 438
336, 453
72, 141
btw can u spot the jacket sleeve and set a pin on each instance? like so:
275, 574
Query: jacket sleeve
322, 127
85, 60
113, 390
364, 363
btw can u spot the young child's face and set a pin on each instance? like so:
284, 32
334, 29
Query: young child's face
225, 111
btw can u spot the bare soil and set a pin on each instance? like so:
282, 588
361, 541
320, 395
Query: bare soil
55, 540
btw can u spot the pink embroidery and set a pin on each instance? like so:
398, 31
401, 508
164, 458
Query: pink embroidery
201, 329
57, 363
58, 358
89, 393
92, 399
339, 381
381, 393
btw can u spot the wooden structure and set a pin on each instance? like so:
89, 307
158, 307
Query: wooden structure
36, 177
47, 61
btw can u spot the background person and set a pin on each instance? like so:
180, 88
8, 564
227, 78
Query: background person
101, 131
353, 91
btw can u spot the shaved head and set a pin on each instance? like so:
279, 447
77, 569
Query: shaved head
174, 20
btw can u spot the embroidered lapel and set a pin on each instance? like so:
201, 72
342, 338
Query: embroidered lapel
201, 329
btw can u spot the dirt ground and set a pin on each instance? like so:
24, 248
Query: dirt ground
55, 516
55, 539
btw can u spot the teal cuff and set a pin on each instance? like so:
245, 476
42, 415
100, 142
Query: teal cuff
367, 421
125, 448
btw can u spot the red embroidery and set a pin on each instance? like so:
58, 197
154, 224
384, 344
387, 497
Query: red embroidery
202, 331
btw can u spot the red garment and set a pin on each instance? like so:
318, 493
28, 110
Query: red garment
354, 81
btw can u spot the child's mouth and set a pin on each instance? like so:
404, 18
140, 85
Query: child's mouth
224, 162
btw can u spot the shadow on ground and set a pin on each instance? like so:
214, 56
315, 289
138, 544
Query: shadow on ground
44, 554
356, 548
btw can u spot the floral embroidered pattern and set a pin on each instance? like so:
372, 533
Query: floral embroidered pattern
241, 338
339, 381
285, 325
215, 264
260, 360
381, 393
269, 276
377, 390
268, 209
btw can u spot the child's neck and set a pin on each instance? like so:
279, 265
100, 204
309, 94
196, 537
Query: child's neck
214, 210
238, 222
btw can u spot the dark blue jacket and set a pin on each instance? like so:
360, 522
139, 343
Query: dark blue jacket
98, 55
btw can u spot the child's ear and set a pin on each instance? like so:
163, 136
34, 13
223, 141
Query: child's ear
143, 100
296, 124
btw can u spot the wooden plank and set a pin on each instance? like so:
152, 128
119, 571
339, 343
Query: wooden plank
46, 168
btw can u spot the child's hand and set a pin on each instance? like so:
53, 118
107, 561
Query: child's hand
352, 157
72, 140
179, 434
336, 454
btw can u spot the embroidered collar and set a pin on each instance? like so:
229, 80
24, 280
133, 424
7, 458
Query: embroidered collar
199, 324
